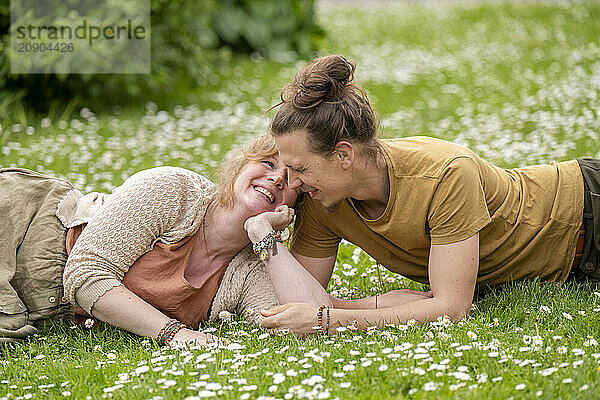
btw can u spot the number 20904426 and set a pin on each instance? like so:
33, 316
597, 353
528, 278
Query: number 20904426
45, 47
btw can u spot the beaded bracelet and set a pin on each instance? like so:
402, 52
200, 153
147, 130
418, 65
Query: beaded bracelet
327, 328
168, 332
320, 317
262, 246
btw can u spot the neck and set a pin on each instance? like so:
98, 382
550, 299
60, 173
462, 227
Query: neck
371, 183
224, 233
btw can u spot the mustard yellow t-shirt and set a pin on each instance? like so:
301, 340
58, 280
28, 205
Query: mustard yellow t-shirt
528, 218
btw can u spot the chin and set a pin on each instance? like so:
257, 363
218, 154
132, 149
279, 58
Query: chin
258, 204
260, 209
254, 207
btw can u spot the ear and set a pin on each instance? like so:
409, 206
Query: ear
344, 152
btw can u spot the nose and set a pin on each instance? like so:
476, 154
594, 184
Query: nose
293, 180
278, 179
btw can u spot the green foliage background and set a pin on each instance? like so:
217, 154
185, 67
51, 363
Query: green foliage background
190, 40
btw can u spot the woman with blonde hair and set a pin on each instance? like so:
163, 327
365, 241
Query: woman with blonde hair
165, 251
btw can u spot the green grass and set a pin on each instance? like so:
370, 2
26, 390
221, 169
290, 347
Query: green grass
518, 83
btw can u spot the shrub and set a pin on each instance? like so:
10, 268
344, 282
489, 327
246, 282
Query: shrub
186, 37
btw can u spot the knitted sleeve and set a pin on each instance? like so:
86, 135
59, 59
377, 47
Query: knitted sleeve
164, 203
257, 294
245, 289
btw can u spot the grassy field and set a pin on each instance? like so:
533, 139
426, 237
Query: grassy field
518, 83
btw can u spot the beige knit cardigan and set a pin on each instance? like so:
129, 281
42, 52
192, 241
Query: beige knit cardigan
162, 204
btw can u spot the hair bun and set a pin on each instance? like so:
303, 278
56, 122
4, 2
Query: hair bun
326, 79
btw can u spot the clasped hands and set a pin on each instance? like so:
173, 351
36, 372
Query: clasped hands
297, 318
301, 318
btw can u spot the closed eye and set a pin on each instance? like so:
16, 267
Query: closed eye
269, 163
298, 170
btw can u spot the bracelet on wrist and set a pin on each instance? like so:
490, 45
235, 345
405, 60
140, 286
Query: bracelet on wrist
320, 317
268, 242
168, 332
320, 326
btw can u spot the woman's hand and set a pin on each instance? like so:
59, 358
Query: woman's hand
299, 318
262, 224
124, 309
187, 336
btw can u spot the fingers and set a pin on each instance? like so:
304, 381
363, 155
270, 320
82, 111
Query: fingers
289, 212
269, 323
210, 338
274, 310
282, 208
285, 210
266, 221
247, 224
283, 218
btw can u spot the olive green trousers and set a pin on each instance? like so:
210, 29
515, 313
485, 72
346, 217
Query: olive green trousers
32, 253
589, 267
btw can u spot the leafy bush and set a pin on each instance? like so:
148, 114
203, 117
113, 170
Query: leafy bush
189, 40
267, 26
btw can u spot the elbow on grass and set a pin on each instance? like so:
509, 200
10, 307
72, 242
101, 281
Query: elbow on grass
460, 313
457, 313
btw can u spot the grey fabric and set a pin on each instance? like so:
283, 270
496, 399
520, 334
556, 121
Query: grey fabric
32, 252
589, 266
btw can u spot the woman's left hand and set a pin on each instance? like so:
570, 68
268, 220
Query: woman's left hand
299, 318
262, 224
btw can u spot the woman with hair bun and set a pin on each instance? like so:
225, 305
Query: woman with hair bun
425, 208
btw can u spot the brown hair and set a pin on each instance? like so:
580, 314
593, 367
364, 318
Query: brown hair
260, 148
323, 101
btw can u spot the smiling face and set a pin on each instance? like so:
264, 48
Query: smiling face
262, 186
321, 177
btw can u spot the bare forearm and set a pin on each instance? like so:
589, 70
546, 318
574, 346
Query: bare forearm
451, 297
422, 310
122, 308
360, 304
390, 299
292, 282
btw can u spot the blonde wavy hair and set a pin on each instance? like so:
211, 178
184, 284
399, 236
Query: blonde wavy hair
258, 149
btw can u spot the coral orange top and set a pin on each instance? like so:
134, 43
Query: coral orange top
158, 278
